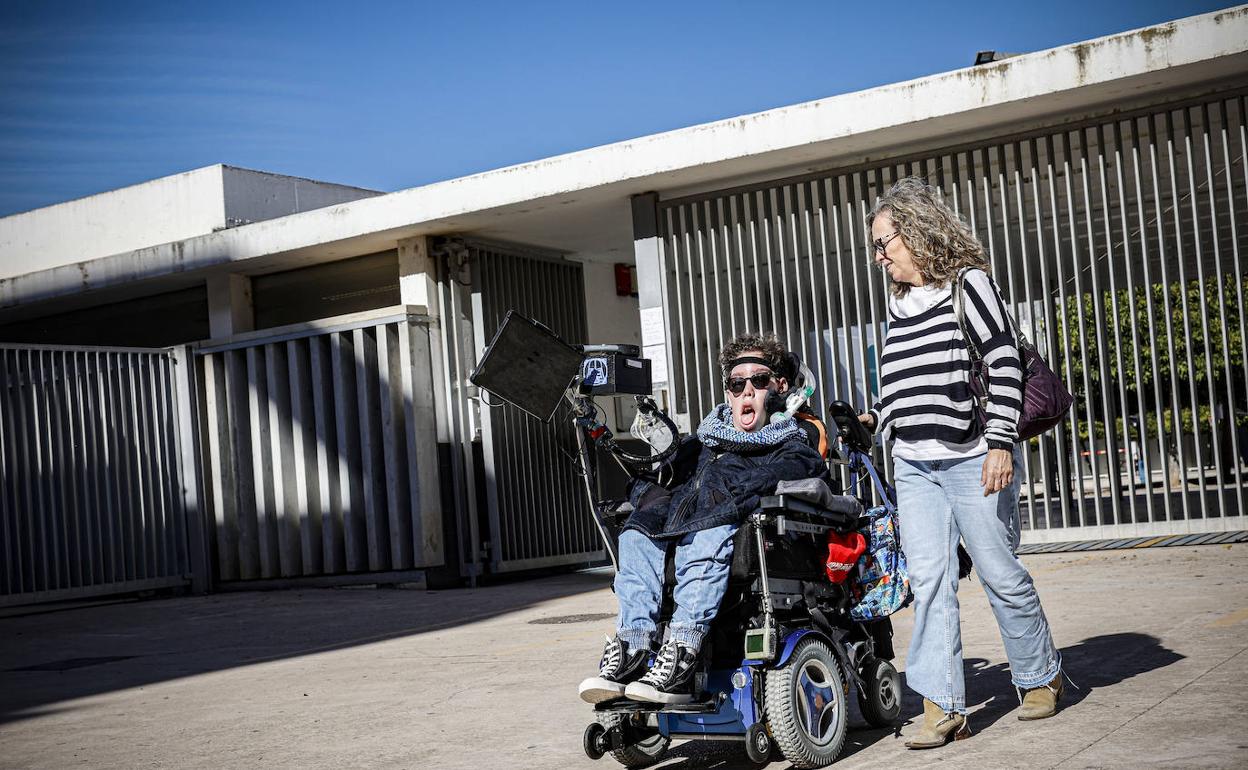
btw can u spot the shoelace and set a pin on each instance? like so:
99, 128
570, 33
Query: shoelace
663, 665
611, 656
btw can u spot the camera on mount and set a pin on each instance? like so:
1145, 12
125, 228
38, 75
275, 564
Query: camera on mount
615, 370
529, 366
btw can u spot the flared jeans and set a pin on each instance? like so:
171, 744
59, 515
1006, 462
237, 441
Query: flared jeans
940, 501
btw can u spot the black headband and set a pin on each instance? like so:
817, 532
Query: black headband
734, 363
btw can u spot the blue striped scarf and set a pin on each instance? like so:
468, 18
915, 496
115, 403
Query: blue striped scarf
718, 432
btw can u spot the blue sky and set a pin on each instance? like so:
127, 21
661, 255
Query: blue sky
388, 95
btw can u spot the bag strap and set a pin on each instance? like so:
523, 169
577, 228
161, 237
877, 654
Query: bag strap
959, 312
958, 295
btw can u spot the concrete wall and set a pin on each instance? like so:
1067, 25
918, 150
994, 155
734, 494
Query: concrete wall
164, 210
159, 211
611, 318
254, 196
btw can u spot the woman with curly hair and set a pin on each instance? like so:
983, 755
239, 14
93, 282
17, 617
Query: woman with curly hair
955, 479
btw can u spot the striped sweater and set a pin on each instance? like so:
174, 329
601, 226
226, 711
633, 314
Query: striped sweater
925, 404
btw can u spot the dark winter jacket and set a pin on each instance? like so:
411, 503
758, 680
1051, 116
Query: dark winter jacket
719, 477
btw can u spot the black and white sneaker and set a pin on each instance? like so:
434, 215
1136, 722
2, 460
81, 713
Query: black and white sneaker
620, 665
670, 679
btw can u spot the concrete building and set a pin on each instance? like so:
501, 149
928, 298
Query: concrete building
327, 425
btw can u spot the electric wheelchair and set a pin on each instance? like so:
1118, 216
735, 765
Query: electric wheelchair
783, 653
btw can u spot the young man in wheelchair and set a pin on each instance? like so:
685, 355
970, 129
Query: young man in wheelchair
696, 504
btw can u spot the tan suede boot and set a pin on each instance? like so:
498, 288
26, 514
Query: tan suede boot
1041, 702
939, 728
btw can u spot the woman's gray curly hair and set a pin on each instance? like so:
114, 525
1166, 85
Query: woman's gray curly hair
942, 244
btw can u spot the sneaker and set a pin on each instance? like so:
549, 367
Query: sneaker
670, 679
620, 665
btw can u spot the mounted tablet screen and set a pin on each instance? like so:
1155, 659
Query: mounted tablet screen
527, 366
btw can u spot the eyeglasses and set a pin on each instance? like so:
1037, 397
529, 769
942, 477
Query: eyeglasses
760, 380
879, 244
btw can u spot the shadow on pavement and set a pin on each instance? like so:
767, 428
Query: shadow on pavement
1099, 661
49, 659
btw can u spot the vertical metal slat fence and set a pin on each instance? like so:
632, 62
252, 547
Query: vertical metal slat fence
319, 449
538, 515
1117, 244
91, 479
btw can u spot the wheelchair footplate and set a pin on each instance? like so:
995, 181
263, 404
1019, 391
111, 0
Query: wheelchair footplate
709, 703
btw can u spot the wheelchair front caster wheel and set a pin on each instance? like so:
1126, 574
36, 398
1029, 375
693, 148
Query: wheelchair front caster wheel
595, 740
880, 698
758, 744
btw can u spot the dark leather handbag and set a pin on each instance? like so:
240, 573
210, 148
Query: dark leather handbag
1045, 397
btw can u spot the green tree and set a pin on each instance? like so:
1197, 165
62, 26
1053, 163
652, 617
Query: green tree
1217, 296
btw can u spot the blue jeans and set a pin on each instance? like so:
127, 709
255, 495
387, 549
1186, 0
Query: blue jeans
939, 501
703, 559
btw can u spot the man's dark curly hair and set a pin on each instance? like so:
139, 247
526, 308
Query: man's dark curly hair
771, 348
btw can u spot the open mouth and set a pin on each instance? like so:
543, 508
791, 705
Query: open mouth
748, 416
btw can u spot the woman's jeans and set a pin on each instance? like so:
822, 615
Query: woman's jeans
939, 501
703, 559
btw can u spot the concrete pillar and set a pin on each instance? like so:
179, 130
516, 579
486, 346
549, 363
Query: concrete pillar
418, 287
648, 250
230, 309
418, 275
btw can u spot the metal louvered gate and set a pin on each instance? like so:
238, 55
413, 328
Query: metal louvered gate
533, 508
319, 448
1118, 245
95, 498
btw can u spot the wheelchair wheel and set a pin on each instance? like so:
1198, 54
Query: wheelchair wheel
758, 744
641, 754
880, 699
804, 703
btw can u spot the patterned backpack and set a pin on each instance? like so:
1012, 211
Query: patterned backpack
883, 582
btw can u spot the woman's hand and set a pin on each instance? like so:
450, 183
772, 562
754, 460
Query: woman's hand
867, 421
998, 471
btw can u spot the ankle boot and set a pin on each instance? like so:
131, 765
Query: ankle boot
939, 728
1041, 702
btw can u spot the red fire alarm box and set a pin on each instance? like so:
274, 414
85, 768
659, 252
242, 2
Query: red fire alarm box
625, 280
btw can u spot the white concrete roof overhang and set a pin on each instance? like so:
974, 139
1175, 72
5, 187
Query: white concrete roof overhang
577, 203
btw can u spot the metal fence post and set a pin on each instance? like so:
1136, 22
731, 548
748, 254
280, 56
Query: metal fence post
188, 468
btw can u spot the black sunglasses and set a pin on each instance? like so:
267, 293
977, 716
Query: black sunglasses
760, 380
879, 244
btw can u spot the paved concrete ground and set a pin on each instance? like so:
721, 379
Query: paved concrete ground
328, 678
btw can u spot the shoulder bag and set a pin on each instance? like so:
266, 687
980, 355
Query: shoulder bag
1045, 398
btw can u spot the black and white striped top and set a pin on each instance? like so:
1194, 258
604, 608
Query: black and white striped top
925, 404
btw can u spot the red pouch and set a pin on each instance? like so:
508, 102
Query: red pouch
843, 553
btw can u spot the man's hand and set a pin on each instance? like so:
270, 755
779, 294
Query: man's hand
867, 421
998, 471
